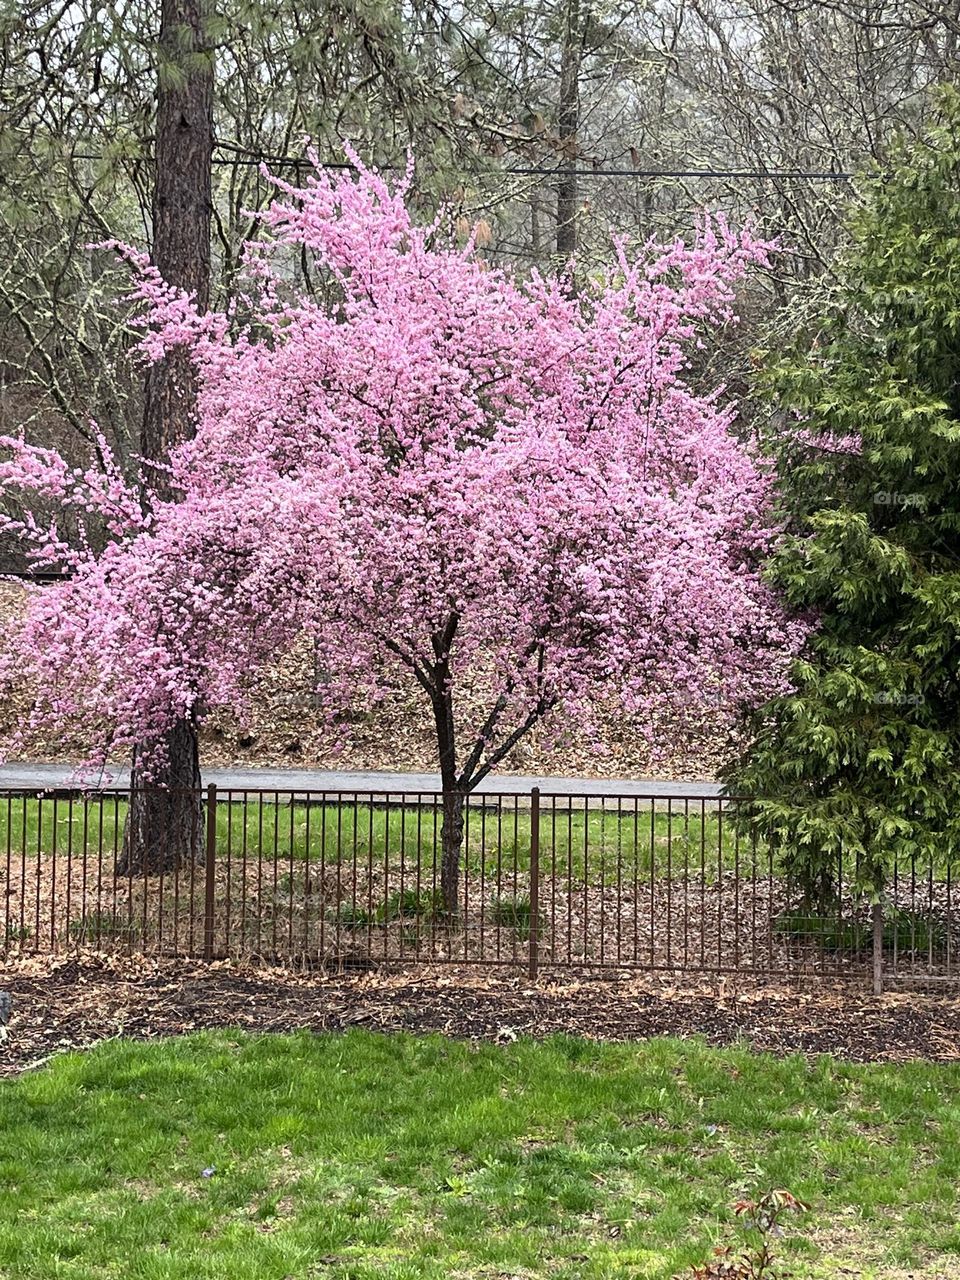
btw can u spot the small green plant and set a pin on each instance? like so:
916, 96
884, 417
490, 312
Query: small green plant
763, 1218
513, 913
101, 926
407, 904
17, 932
351, 915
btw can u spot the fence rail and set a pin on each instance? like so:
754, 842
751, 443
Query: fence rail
353, 880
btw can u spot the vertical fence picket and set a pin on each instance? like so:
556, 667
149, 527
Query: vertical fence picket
686, 881
534, 950
465, 918
553, 880
736, 895
948, 941
383, 910
8, 894
895, 961
210, 855
703, 884
569, 884
652, 872
23, 872
291, 893
603, 886
308, 885
586, 881
228, 876
38, 867
481, 886
719, 884
370, 882
53, 878
669, 882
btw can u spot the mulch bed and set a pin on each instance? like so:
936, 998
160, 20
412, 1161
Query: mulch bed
72, 1003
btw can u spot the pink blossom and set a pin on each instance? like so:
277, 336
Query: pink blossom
440, 470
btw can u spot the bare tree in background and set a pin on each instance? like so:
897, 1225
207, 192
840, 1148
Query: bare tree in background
77, 138
568, 124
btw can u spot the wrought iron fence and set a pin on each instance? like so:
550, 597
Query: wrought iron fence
353, 880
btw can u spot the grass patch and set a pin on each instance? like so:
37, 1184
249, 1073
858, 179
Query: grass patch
513, 913
603, 844
365, 1157
408, 904
404, 904
100, 926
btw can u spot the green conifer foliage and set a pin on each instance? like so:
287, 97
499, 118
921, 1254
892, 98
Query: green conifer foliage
863, 758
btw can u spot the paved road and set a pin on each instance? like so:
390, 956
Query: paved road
46, 776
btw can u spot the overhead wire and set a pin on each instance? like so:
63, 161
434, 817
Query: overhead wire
558, 171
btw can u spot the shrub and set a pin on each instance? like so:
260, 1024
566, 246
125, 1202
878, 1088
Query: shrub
902, 931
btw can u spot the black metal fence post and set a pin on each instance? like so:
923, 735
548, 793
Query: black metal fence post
534, 957
210, 854
877, 915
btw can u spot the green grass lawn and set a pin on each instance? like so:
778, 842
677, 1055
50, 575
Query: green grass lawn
366, 1156
684, 840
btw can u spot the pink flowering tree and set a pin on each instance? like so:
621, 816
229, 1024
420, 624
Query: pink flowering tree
437, 472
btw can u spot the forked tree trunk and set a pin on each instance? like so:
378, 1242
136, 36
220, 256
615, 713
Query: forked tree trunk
451, 844
163, 828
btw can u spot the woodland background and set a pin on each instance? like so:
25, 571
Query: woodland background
552, 126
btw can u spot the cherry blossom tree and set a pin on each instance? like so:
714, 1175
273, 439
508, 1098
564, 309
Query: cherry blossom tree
435, 471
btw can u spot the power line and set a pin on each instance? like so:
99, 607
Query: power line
771, 174
765, 175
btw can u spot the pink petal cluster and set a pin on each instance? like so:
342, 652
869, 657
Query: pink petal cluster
433, 469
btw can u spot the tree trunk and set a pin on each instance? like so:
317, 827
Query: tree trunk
568, 124
451, 842
162, 826
182, 208
451, 831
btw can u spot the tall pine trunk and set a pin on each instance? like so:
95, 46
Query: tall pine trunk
568, 125
163, 827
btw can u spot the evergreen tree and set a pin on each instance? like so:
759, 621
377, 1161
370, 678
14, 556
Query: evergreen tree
863, 757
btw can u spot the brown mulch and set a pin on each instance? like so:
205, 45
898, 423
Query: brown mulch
72, 1003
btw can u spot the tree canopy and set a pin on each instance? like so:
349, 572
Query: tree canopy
437, 470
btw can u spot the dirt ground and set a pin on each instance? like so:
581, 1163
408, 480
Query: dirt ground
72, 1003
